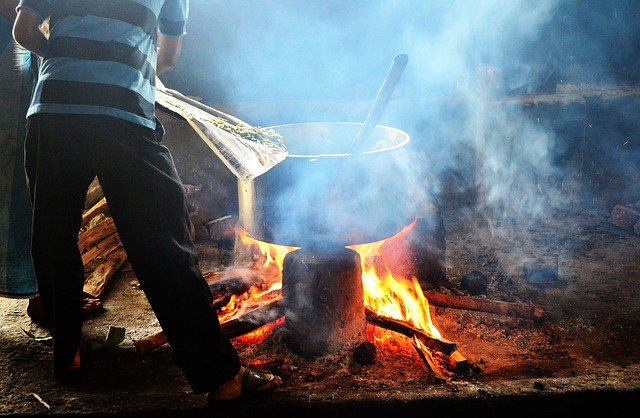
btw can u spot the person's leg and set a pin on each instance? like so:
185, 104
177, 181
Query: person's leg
148, 203
58, 178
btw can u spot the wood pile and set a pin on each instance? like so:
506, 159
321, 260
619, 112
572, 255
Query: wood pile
100, 246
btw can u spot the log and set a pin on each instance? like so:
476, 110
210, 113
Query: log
522, 310
435, 343
232, 328
455, 362
91, 237
253, 320
624, 217
247, 274
150, 342
106, 246
233, 280
97, 280
99, 208
437, 376
226, 283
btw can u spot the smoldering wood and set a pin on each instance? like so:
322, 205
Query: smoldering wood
223, 285
455, 362
223, 228
232, 279
521, 310
226, 283
253, 320
437, 375
232, 328
324, 300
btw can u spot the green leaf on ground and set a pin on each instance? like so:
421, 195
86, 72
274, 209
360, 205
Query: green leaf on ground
115, 337
48, 340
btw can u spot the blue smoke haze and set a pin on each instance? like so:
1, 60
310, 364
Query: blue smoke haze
254, 51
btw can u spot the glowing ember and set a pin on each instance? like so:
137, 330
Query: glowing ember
256, 296
386, 294
260, 333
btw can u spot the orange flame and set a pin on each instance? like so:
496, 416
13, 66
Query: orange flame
388, 295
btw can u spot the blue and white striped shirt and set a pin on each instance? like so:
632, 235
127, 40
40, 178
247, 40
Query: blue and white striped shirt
101, 56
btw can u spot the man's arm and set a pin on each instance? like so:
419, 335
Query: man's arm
169, 48
8, 9
26, 32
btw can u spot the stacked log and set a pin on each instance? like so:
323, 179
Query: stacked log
100, 247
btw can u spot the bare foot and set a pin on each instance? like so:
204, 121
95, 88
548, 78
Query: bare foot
230, 389
35, 308
75, 364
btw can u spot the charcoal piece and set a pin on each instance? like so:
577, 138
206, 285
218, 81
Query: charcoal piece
475, 283
365, 354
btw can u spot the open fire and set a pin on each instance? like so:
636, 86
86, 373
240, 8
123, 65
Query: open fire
393, 303
385, 293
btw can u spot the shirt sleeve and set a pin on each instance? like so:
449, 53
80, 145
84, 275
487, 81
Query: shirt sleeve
40, 7
173, 17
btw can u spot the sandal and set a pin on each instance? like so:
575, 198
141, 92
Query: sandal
91, 306
254, 382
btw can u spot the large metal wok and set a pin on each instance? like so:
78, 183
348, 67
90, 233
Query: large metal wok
319, 196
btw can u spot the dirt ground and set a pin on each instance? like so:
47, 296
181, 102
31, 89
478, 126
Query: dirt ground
585, 348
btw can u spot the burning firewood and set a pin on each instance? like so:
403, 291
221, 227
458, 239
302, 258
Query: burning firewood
232, 328
435, 343
434, 370
253, 320
526, 311
445, 350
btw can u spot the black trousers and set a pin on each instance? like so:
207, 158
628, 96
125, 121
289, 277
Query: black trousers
63, 154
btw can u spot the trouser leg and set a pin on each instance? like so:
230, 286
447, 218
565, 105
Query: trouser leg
58, 177
148, 203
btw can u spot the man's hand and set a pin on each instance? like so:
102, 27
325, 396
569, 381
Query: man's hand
168, 52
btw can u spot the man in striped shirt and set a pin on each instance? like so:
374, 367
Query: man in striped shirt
92, 114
